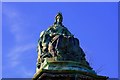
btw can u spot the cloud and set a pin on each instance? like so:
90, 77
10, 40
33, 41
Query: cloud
17, 52
21, 38
16, 23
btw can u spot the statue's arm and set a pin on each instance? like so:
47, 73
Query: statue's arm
66, 32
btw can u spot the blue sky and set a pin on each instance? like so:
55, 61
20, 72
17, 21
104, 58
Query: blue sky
94, 24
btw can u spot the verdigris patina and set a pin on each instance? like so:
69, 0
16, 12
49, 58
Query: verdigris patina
60, 56
58, 43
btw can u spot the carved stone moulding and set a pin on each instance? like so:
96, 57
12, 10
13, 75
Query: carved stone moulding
66, 70
67, 75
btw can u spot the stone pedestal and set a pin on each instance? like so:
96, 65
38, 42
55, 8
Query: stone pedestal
65, 70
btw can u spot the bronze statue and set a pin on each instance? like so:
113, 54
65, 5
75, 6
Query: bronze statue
57, 42
61, 57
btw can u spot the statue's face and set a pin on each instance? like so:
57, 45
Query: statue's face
58, 19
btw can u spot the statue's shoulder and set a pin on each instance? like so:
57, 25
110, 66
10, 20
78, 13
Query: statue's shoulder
42, 33
49, 28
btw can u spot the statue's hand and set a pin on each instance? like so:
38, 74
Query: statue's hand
52, 34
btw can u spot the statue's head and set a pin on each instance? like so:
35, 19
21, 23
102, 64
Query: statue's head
59, 18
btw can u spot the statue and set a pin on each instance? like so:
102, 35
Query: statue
61, 57
58, 43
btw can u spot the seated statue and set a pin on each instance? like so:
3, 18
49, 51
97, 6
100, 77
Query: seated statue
57, 42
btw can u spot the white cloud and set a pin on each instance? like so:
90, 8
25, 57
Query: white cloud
17, 50
20, 49
16, 23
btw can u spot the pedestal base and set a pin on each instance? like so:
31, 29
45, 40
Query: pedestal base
66, 71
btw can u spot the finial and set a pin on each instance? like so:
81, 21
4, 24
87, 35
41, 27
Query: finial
58, 18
